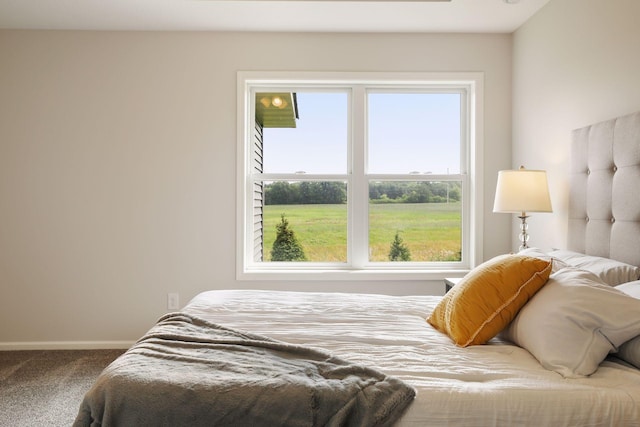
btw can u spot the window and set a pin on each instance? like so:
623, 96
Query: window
357, 175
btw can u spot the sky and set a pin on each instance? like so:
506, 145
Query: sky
406, 133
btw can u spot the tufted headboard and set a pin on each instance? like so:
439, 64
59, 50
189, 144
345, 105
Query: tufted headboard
604, 200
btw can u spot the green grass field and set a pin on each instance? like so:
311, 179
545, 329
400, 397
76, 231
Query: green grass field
432, 231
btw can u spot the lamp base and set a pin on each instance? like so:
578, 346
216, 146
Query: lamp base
524, 237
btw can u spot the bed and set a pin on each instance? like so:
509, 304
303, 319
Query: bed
567, 354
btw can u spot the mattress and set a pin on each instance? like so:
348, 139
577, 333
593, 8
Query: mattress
493, 384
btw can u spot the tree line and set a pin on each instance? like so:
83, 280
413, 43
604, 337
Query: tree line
332, 192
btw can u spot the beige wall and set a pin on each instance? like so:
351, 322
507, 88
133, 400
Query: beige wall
117, 166
576, 62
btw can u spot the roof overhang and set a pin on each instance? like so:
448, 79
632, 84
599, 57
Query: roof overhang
276, 110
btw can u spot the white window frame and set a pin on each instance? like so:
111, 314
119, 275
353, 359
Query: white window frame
358, 268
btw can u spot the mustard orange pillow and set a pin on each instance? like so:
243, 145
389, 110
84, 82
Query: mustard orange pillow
488, 298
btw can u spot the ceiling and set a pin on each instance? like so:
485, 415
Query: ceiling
486, 16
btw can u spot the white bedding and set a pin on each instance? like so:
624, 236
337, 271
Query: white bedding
493, 384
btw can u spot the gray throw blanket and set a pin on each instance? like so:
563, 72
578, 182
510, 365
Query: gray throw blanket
188, 372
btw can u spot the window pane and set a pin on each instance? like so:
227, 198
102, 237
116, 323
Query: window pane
426, 216
317, 143
316, 213
414, 133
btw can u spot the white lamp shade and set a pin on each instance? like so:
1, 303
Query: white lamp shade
522, 190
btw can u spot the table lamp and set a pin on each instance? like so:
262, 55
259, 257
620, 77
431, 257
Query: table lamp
521, 191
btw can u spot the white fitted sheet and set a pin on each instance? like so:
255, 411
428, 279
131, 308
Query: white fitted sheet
493, 384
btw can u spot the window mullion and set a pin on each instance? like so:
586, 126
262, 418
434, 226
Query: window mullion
299, 177
359, 194
411, 177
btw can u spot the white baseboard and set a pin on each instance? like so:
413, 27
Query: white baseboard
65, 345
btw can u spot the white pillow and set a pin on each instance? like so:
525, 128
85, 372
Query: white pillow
574, 321
630, 351
630, 288
540, 254
611, 272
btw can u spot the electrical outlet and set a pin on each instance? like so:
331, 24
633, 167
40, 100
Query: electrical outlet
173, 301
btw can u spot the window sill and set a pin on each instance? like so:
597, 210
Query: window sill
346, 275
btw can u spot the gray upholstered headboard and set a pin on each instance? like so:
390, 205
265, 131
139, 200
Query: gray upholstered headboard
604, 201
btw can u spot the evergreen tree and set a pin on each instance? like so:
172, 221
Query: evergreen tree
286, 246
399, 250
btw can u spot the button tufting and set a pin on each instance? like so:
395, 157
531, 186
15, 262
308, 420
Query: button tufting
613, 220
587, 219
615, 168
588, 172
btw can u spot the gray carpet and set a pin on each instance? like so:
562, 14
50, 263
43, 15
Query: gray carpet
45, 387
